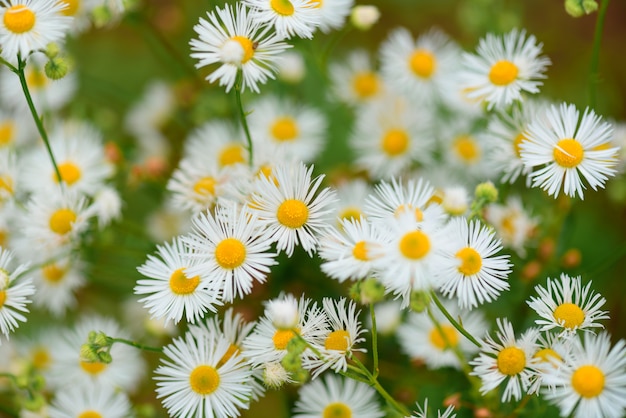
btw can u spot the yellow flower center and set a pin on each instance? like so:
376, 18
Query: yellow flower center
360, 251
282, 7
415, 245
446, 338
232, 350
93, 368
41, 358
517, 142
3, 238
230, 253
405, 208
71, 8
247, 45
423, 63
205, 186
511, 361
89, 414
395, 142
466, 148
337, 340
6, 183
53, 273
70, 173
569, 314
471, 261
282, 337
503, 73
337, 410
180, 284
292, 213
588, 381
365, 84
19, 19
568, 153
231, 154
61, 221
3, 297
7, 130
284, 129
36, 79
547, 355
204, 380
352, 213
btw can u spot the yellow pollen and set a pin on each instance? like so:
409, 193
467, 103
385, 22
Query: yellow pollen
466, 148
415, 245
516, 144
61, 221
93, 368
365, 84
41, 358
284, 129
588, 381
292, 213
248, 47
423, 63
548, 355
471, 261
232, 350
230, 253
205, 186
7, 130
70, 173
282, 7
53, 273
3, 297
511, 361
405, 208
282, 337
6, 183
352, 213
503, 72
36, 79
451, 337
180, 284
71, 8
570, 315
204, 380
337, 410
231, 154
360, 251
395, 142
19, 19
337, 340
568, 153
89, 414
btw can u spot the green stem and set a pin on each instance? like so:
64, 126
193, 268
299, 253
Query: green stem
454, 322
134, 344
374, 340
242, 114
594, 74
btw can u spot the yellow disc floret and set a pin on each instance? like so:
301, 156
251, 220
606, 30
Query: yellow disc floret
569, 315
466, 148
511, 361
61, 221
205, 186
70, 173
360, 251
231, 154
180, 284
503, 73
337, 410
588, 381
7, 131
568, 153
204, 380
247, 45
89, 414
93, 368
451, 337
282, 337
414, 245
395, 142
3, 297
284, 129
471, 261
365, 84
52, 273
337, 340
292, 213
423, 62
19, 19
282, 7
71, 7
230, 253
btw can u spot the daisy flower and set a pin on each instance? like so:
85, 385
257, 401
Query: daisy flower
472, 272
565, 304
219, 140
30, 25
351, 196
231, 38
171, 290
56, 283
590, 380
510, 359
289, 210
16, 128
334, 396
288, 17
423, 412
14, 293
551, 350
514, 226
291, 67
355, 80
192, 382
230, 251
89, 401
502, 68
562, 146
332, 13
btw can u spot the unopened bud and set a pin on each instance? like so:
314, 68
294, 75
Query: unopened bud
364, 17
56, 68
52, 50
486, 191
34, 403
101, 16
372, 291
419, 301
88, 354
578, 8
105, 357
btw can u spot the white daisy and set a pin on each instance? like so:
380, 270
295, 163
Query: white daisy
29, 25
333, 13
16, 128
230, 251
562, 146
472, 272
355, 80
590, 380
334, 396
514, 226
291, 67
288, 17
565, 304
502, 68
89, 401
192, 382
351, 196
286, 205
219, 140
455, 200
171, 289
15, 292
233, 39
57, 283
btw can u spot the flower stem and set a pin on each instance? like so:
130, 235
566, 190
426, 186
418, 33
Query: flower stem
374, 340
242, 114
594, 74
134, 344
454, 322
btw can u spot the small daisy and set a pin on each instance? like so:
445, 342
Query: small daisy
89, 401
567, 305
351, 196
423, 412
291, 67
192, 382
286, 205
171, 290
16, 128
590, 380
455, 200
562, 146
233, 39
219, 140
15, 293
30, 25
57, 283
514, 226
334, 396
355, 81
230, 251
289, 17
551, 350
472, 272
332, 13
502, 68
508, 359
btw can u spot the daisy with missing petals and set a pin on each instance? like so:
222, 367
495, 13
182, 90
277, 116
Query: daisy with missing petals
508, 359
562, 146
289, 17
567, 305
288, 209
502, 68
29, 25
230, 251
171, 290
14, 293
232, 39
355, 81
335, 396
192, 382
590, 380
472, 272
90, 401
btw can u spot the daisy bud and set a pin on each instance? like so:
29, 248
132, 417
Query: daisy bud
101, 340
364, 17
105, 357
284, 313
275, 375
101, 16
88, 354
486, 191
56, 68
34, 402
296, 346
292, 362
52, 50
291, 67
419, 301
371, 291
577, 8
